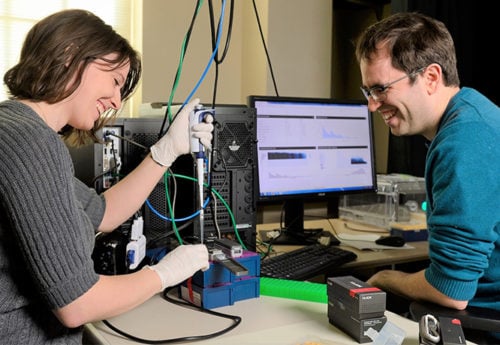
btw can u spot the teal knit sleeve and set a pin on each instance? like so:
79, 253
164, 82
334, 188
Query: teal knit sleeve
462, 175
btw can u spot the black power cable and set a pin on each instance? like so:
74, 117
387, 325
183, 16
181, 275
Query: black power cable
215, 34
236, 321
178, 72
265, 48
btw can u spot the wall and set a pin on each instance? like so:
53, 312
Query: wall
298, 36
309, 44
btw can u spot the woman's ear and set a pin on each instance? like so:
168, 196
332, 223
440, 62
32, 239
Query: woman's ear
70, 53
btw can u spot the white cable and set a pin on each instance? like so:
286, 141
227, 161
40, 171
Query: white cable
200, 173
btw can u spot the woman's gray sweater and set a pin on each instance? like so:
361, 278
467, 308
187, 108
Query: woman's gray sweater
47, 224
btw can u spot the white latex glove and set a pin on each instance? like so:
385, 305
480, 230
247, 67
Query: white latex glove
203, 131
181, 263
176, 141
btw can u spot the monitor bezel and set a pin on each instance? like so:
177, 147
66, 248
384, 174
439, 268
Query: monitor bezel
318, 196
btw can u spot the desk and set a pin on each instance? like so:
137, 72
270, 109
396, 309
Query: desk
367, 259
265, 320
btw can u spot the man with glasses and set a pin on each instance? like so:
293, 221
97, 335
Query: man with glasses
410, 77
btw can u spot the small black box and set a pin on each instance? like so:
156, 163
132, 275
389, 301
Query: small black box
451, 331
357, 298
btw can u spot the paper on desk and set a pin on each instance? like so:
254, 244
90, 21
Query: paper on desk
370, 245
390, 334
358, 237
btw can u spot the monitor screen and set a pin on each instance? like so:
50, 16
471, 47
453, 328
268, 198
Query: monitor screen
311, 148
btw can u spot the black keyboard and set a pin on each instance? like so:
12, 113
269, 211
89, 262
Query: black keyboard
306, 262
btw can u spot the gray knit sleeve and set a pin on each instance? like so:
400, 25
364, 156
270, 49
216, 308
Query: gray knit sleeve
50, 215
93, 204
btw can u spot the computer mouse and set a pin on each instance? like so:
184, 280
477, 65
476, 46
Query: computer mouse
392, 241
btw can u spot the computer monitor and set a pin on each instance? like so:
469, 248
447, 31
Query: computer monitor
311, 149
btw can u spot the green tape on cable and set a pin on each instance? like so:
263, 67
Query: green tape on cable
293, 289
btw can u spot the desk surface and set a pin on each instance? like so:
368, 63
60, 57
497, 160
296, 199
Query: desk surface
366, 258
265, 320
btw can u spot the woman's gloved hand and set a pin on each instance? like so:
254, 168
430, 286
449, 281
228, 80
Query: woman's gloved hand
181, 263
176, 141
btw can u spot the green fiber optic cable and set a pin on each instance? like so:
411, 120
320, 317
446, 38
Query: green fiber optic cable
179, 69
233, 221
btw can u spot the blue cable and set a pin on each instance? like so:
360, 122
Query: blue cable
187, 99
212, 57
148, 203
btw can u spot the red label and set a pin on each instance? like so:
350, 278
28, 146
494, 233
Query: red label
354, 292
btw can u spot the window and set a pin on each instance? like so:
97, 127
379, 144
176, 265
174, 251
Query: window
18, 16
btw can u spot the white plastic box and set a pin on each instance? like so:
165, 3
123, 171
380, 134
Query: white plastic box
397, 197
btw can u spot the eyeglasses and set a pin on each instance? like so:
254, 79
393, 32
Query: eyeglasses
379, 92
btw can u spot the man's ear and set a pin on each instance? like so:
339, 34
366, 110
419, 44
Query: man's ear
433, 77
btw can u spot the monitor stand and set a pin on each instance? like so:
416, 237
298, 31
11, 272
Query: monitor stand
293, 232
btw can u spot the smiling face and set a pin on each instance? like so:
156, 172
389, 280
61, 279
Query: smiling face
98, 92
406, 108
